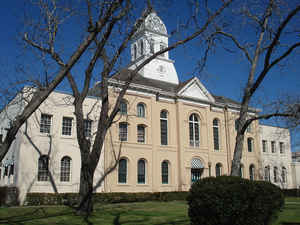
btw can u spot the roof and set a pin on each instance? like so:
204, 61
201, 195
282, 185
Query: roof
124, 74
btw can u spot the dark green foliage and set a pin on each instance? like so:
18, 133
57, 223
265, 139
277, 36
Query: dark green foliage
233, 201
9, 196
291, 192
73, 198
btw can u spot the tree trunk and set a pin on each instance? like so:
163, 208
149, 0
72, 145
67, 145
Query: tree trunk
86, 190
238, 151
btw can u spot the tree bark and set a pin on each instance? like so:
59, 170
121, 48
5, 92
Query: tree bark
86, 190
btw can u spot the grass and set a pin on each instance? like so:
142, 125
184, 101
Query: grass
147, 213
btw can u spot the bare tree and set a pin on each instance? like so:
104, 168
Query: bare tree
275, 38
110, 26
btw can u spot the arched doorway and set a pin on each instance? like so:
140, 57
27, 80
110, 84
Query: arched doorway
197, 169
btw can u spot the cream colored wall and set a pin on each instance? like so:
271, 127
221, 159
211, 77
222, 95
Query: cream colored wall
270, 133
178, 151
58, 105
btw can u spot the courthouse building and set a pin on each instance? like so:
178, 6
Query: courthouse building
171, 132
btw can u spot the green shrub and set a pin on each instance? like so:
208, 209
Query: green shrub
115, 197
9, 196
233, 201
291, 192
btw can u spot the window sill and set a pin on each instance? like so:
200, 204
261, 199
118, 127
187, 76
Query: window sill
67, 137
123, 184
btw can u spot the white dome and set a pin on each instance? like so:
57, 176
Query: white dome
154, 23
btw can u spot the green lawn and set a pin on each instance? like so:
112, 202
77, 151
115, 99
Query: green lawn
147, 213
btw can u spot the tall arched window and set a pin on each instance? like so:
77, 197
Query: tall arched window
43, 168
152, 46
141, 171
65, 169
164, 127
141, 133
250, 144
283, 175
216, 134
275, 174
134, 52
165, 172
123, 107
267, 173
122, 171
140, 110
141, 47
194, 130
251, 172
218, 169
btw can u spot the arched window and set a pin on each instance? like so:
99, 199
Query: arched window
140, 110
164, 127
250, 144
251, 172
122, 171
134, 52
165, 172
197, 169
141, 133
123, 128
283, 174
141, 171
123, 107
275, 174
267, 173
218, 169
242, 170
65, 169
152, 46
216, 134
141, 47
194, 130
43, 168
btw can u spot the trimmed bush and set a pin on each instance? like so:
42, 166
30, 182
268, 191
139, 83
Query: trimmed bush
73, 198
291, 192
9, 196
229, 200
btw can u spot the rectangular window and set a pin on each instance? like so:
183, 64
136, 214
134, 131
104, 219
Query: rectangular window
216, 138
67, 126
164, 132
141, 134
273, 146
123, 131
87, 126
264, 145
45, 123
281, 147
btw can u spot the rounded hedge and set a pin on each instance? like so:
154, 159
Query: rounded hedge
229, 200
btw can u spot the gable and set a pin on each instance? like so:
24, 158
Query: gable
195, 89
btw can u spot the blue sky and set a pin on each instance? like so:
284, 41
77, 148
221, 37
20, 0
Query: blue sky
225, 73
